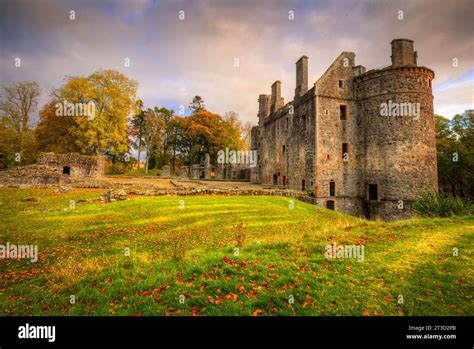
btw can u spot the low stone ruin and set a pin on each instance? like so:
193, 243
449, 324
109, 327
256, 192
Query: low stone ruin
113, 195
54, 169
35, 175
219, 172
73, 164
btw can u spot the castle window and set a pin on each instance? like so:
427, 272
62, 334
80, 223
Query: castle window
283, 148
303, 120
332, 188
343, 112
287, 122
429, 82
303, 185
345, 152
66, 170
373, 192
341, 83
330, 205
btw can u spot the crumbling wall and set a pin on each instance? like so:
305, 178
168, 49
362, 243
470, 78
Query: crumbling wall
73, 164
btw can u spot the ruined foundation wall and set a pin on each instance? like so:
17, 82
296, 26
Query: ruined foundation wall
79, 165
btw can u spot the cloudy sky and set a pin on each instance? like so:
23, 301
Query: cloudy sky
174, 60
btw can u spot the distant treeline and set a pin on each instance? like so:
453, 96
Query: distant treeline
118, 126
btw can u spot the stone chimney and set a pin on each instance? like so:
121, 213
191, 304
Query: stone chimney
403, 53
264, 104
358, 70
277, 101
301, 76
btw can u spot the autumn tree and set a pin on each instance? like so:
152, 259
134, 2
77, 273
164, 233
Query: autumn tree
208, 133
53, 131
114, 96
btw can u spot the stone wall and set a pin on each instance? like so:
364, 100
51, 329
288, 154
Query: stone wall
33, 175
73, 164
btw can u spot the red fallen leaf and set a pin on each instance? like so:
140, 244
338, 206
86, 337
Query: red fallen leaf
388, 299
377, 313
305, 304
138, 313
108, 279
241, 289
365, 313
460, 281
308, 297
146, 293
233, 296
351, 283
257, 312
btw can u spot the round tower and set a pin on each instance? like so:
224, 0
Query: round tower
397, 126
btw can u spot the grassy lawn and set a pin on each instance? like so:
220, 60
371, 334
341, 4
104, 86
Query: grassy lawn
183, 261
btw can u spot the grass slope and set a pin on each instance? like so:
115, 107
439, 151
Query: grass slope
280, 270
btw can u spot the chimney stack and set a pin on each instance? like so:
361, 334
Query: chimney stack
301, 76
277, 101
264, 104
403, 53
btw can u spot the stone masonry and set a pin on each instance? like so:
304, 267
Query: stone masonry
333, 140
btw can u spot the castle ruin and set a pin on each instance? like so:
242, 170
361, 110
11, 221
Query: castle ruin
337, 141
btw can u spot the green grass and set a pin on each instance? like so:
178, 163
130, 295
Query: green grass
191, 252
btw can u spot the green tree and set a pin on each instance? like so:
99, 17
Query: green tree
197, 104
455, 153
138, 131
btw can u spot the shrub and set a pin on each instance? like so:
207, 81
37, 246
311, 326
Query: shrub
433, 204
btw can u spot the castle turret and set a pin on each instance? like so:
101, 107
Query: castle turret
395, 105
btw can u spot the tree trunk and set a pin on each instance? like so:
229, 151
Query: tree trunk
139, 152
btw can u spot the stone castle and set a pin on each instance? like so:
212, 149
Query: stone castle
334, 141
